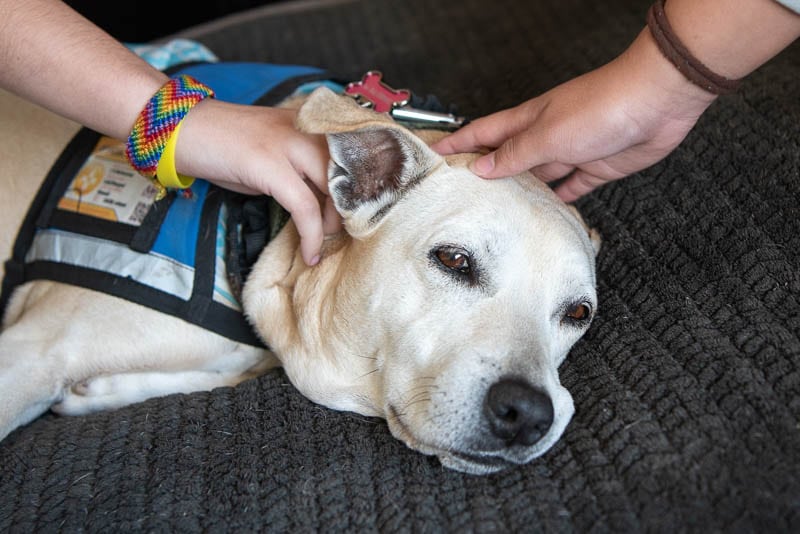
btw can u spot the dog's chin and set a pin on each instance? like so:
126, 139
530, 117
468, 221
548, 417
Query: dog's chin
470, 462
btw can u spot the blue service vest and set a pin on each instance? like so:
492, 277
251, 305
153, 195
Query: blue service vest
95, 223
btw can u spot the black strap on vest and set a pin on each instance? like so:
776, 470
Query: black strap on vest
200, 309
252, 223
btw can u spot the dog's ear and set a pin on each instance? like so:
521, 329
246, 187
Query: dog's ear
594, 235
374, 161
371, 169
326, 112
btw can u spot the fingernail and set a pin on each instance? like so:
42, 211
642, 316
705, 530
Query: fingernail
483, 165
314, 261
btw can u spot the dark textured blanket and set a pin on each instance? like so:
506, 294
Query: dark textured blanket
687, 386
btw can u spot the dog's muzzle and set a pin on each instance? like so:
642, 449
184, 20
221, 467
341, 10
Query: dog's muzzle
517, 423
517, 413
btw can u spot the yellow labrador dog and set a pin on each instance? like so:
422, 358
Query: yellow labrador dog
446, 306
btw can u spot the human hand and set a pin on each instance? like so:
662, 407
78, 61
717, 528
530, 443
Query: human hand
599, 127
257, 150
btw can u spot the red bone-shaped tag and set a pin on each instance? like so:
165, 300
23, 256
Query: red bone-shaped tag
382, 97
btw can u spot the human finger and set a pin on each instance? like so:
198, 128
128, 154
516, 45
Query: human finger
331, 220
486, 132
578, 184
303, 205
525, 150
310, 159
308, 154
550, 172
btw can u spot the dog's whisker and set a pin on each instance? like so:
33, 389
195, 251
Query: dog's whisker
370, 372
406, 410
417, 401
413, 398
400, 413
424, 386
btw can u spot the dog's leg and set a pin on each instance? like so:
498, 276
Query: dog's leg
65, 344
28, 381
107, 392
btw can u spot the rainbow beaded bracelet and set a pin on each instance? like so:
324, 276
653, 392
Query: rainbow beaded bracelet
157, 122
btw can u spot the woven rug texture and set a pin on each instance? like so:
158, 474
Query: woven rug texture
687, 385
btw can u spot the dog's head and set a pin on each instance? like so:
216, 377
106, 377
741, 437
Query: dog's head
446, 308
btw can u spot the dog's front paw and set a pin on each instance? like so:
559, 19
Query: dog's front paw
81, 388
72, 404
96, 387
86, 396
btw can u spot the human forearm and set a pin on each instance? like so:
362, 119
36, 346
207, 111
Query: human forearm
54, 57
733, 37
633, 111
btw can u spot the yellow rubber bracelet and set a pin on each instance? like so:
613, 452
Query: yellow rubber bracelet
165, 171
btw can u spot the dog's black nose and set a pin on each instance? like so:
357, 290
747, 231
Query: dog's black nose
518, 413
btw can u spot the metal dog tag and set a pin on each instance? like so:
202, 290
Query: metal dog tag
428, 118
372, 92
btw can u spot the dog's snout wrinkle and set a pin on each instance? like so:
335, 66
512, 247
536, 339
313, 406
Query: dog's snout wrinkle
518, 413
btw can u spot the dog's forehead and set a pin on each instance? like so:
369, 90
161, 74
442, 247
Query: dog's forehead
520, 206
523, 188
517, 231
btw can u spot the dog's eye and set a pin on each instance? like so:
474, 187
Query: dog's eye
578, 313
457, 263
454, 259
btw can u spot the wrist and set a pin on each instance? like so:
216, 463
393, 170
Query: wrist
734, 37
671, 92
681, 57
150, 148
196, 143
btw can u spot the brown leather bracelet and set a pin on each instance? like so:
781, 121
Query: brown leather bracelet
675, 51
